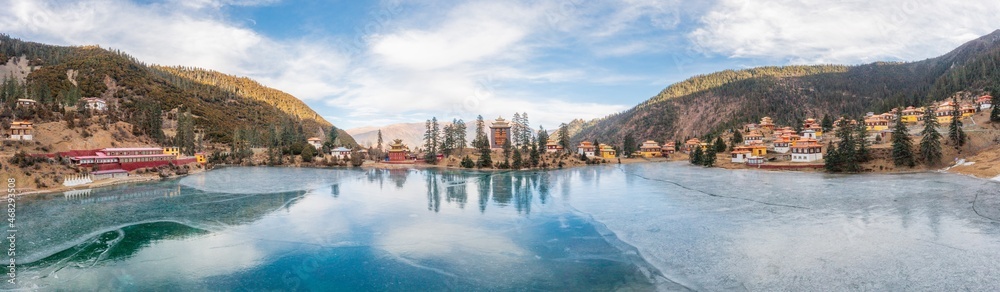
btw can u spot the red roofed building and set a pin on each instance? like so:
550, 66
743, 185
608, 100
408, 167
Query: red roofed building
985, 102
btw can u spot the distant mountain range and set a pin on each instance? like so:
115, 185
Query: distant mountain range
708, 104
412, 134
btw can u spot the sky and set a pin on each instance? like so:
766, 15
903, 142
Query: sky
373, 63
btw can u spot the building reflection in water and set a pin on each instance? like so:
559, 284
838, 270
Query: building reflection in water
335, 190
89, 196
501, 189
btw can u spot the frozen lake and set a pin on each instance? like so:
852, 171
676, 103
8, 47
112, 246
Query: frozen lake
661, 226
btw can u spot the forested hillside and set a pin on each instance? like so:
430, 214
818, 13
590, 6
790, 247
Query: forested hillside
707, 104
137, 93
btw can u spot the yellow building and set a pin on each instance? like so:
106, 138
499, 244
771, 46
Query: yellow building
200, 157
607, 151
876, 124
650, 149
968, 110
912, 115
175, 151
758, 149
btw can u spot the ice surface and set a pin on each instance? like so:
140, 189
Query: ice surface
630, 227
713, 229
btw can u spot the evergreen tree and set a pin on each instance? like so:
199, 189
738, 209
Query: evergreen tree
308, 153
847, 158
737, 138
481, 137
517, 162
902, 145
930, 143
696, 156
516, 129
629, 146
184, 138
832, 161
449, 140
708, 159
534, 157
380, 139
526, 129
507, 148
467, 162
862, 153
435, 135
826, 123
482, 143
543, 138
720, 145
460, 140
564, 136
430, 141
995, 113
955, 133
332, 135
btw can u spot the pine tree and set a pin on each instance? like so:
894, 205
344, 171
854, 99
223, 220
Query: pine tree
862, 154
448, 145
481, 137
507, 148
696, 156
826, 123
902, 145
564, 136
995, 113
543, 138
534, 157
708, 159
430, 141
482, 144
525, 130
460, 141
720, 145
930, 144
467, 162
517, 161
832, 161
737, 138
629, 145
380, 139
847, 158
435, 135
955, 133
516, 129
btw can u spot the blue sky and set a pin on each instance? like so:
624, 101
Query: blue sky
371, 63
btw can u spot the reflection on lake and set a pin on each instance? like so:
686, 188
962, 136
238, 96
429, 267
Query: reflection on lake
401, 230
637, 227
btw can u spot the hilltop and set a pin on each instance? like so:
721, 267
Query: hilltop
59, 76
707, 105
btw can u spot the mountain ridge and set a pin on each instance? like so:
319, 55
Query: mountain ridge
707, 104
222, 104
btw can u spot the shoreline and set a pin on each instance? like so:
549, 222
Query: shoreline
421, 165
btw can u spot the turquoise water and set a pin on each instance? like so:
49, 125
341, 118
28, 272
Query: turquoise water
658, 226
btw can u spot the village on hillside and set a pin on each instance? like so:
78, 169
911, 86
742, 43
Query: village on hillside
499, 144
756, 145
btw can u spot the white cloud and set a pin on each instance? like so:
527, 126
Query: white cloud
817, 31
172, 34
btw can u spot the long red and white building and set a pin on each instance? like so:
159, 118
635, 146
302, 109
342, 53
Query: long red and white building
128, 158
